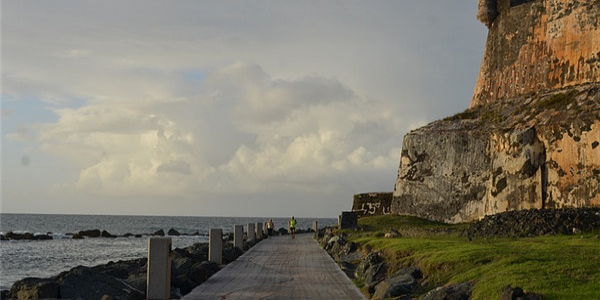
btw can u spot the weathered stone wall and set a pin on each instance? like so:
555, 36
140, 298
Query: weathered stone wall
539, 151
537, 45
372, 204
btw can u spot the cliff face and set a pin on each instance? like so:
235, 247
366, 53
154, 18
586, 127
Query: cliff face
532, 151
537, 45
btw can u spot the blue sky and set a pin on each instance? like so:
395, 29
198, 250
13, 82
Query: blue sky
225, 108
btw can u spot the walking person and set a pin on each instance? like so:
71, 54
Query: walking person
270, 226
292, 224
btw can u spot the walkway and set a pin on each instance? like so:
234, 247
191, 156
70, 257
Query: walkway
280, 268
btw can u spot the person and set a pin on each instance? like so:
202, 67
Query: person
270, 226
293, 227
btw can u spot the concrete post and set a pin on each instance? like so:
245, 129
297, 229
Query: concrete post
251, 232
238, 236
259, 231
158, 273
215, 245
315, 226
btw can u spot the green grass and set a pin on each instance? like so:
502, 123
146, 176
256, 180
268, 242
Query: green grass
557, 267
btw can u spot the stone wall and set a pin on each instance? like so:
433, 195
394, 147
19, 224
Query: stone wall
537, 45
372, 204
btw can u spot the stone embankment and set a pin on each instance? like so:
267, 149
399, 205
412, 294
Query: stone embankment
537, 222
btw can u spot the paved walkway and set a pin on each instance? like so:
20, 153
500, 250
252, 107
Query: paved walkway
280, 268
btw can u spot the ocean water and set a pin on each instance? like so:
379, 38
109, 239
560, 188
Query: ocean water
46, 258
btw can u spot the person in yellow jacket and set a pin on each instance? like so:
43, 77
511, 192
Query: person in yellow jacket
293, 226
270, 226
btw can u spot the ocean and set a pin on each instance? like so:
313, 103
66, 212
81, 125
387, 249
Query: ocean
46, 258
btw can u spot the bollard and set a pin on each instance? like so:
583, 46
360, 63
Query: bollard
259, 231
215, 245
238, 236
315, 226
251, 232
158, 273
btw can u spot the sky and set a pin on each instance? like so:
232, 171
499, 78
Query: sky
222, 108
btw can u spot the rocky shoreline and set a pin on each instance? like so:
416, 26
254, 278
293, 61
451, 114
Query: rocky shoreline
125, 280
91, 233
371, 269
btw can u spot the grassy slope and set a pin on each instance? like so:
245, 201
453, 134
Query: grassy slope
558, 267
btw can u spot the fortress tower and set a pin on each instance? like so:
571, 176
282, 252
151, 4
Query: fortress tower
537, 45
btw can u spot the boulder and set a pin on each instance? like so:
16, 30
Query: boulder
173, 232
371, 270
460, 291
159, 233
106, 234
510, 293
403, 283
76, 283
35, 288
90, 233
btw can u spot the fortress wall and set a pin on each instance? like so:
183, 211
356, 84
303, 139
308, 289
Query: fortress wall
537, 45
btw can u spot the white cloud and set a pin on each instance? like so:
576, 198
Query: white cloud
165, 148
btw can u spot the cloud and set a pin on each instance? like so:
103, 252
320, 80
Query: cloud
244, 132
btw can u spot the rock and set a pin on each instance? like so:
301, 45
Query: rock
106, 234
90, 233
159, 233
392, 234
76, 283
371, 270
403, 282
25, 236
173, 232
460, 291
510, 293
536, 222
35, 288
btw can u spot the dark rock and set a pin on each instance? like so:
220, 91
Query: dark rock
231, 253
348, 268
173, 232
25, 236
282, 231
76, 283
401, 285
403, 282
90, 233
106, 234
76, 236
537, 222
371, 271
510, 293
159, 233
460, 291
35, 288
128, 235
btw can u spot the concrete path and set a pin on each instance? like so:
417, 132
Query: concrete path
280, 268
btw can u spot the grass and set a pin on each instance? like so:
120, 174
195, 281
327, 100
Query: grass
557, 267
